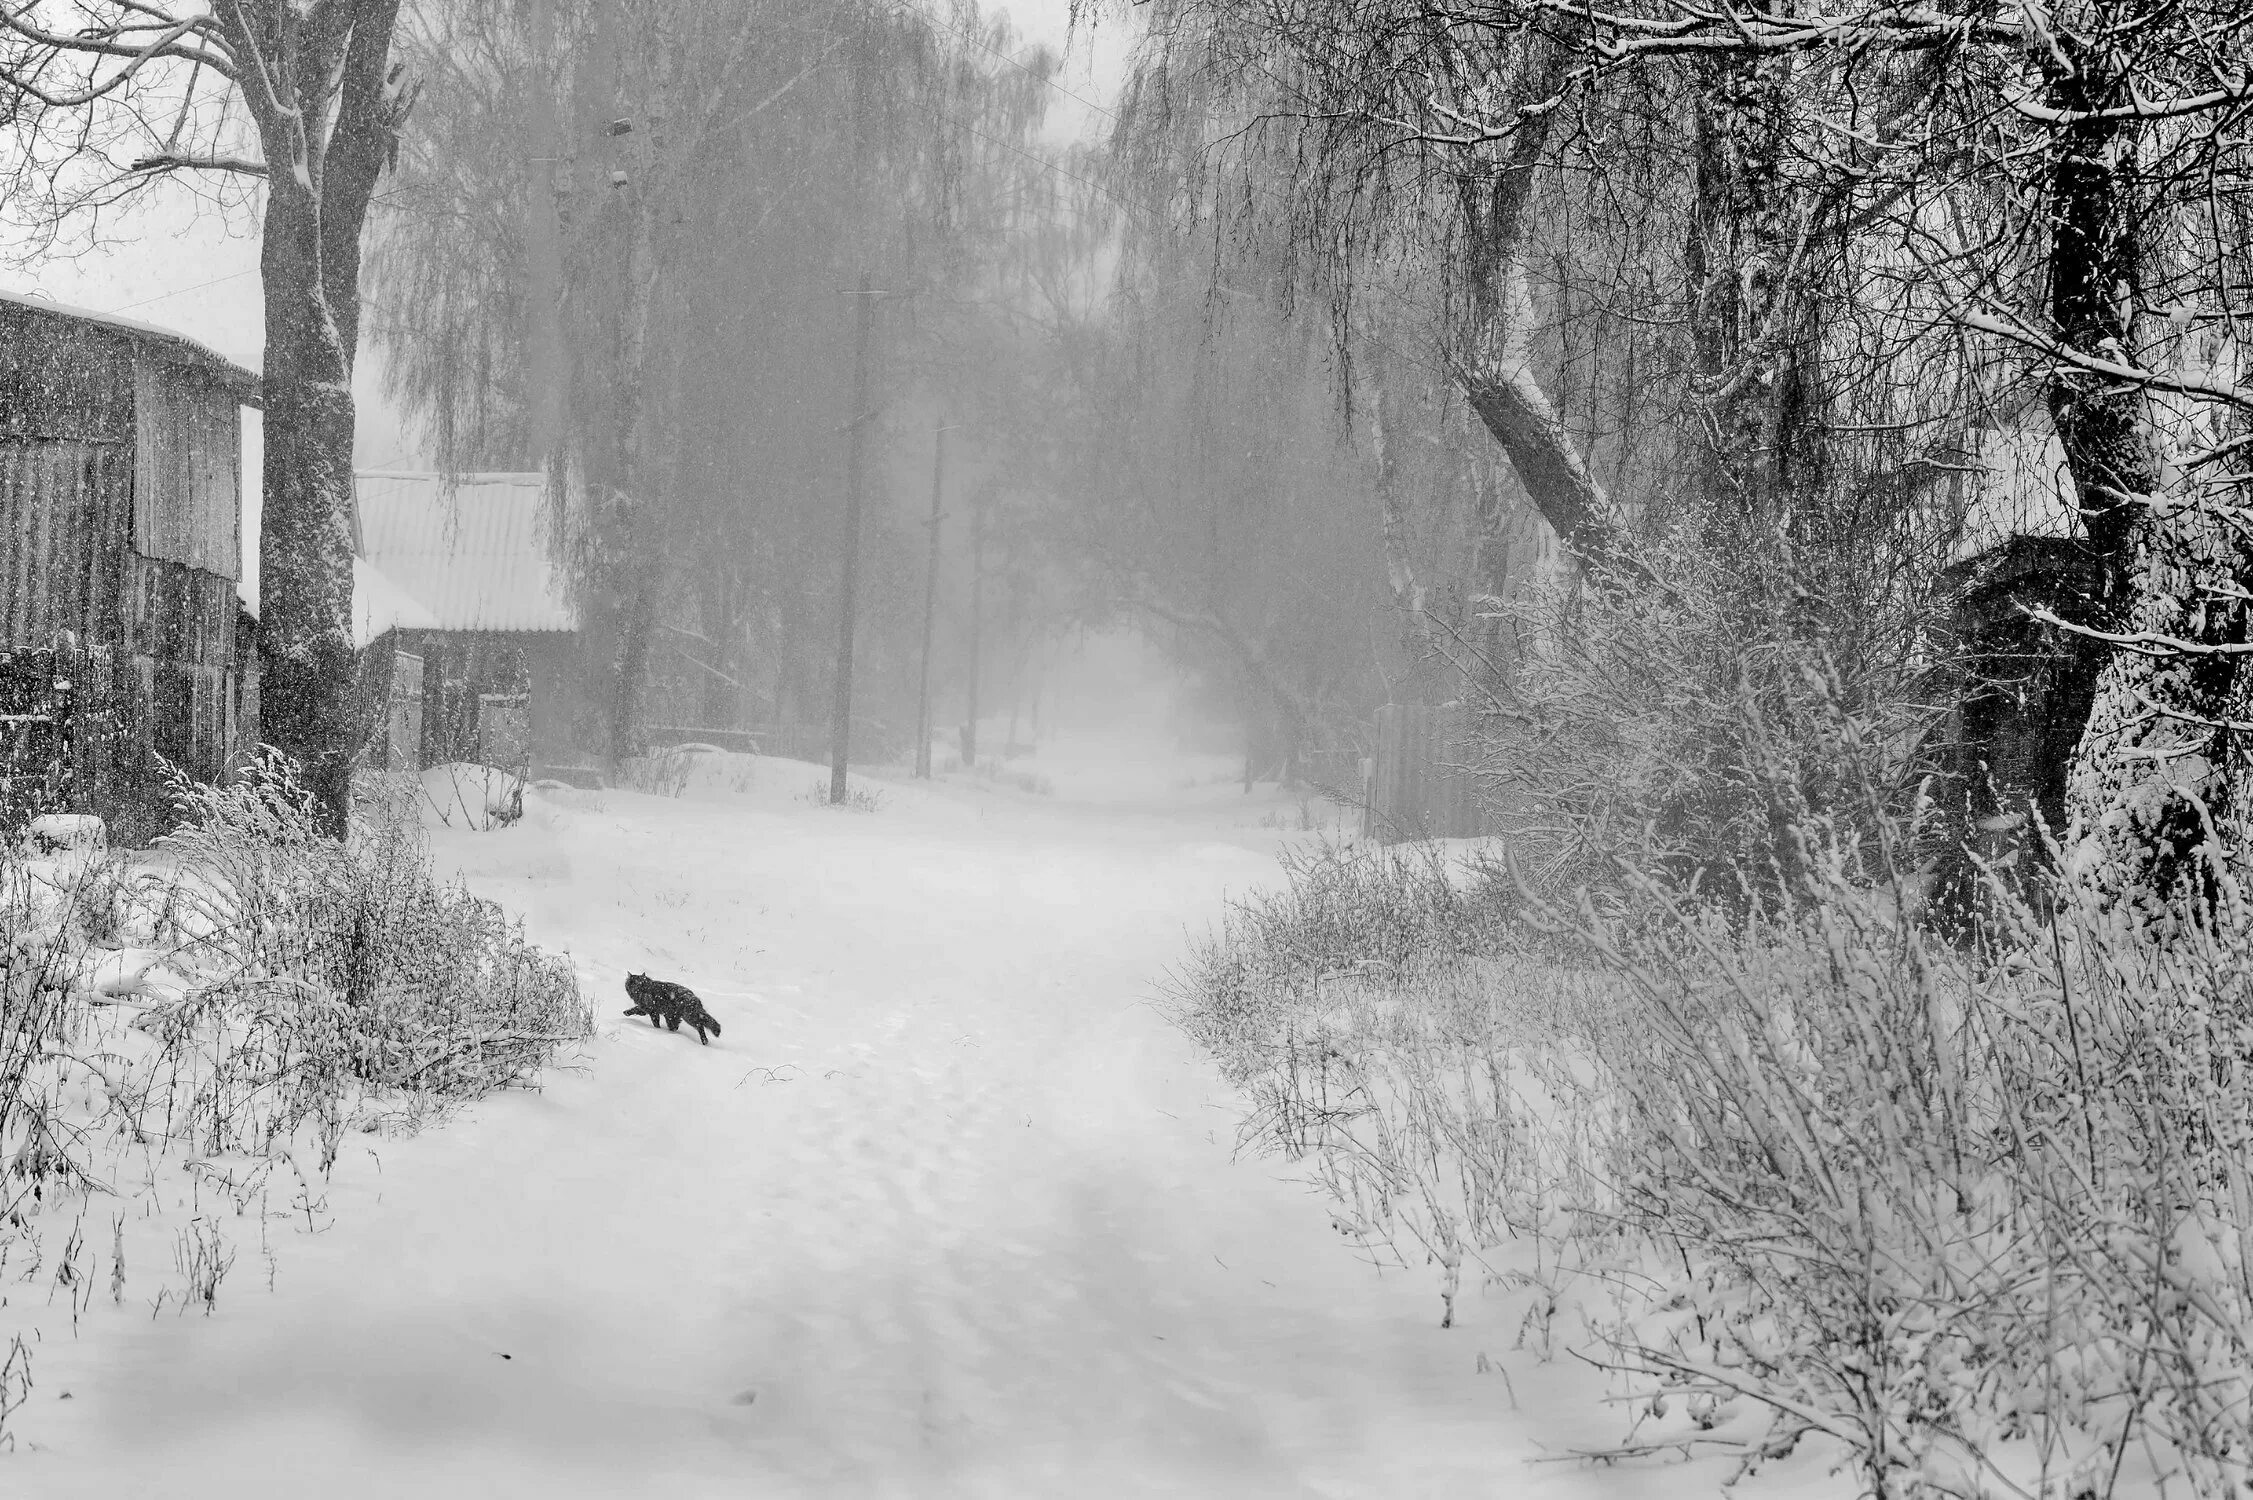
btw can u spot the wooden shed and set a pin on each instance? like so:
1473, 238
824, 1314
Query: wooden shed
470, 649
122, 637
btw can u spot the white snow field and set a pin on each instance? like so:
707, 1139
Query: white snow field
948, 1210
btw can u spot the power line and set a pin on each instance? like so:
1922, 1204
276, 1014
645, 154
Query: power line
183, 291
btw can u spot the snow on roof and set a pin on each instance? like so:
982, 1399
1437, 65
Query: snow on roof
182, 350
2022, 489
467, 548
379, 605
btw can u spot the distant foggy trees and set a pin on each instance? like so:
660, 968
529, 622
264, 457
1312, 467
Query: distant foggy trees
1794, 286
620, 250
1217, 501
102, 96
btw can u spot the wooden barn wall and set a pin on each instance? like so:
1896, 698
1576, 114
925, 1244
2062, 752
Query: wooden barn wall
155, 650
65, 504
179, 640
63, 379
187, 490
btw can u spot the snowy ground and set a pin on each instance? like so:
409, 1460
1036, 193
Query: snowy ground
947, 1210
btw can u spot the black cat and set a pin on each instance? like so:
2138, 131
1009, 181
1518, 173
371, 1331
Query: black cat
663, 1000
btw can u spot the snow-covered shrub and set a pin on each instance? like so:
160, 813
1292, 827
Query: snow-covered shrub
1384, 1025
385, 975
225, 1005
463, 794
15, 1383
1654, 717
858, 798
1345, 921
1979, 1213
42, 947
663, 772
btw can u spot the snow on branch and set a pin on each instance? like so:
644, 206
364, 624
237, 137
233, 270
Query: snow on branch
117, 39
174, 162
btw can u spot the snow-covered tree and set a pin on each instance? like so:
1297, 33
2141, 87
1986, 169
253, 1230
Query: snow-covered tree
103, 97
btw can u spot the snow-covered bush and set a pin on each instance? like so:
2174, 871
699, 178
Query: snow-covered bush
463, 794
398, 981
663, 772
1654, 718
42, 947
859, 797
1388, 1029
273, 976
1978, 1213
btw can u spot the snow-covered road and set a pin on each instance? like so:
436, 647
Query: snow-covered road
948, 1210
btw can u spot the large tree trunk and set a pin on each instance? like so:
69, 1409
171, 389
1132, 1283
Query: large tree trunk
1751, 320
305, 539
328, 116
2153, 779
1494, 359
2158, 786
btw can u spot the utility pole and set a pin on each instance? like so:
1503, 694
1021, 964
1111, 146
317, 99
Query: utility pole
930, 606
841, 707
977, 613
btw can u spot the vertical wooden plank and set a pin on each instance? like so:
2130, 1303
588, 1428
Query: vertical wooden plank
15, 514
23, 576
1385, 774
86, 565
110, 522
146, 420
410, 732
1464, 817
1418, 821
221, 481
38, 539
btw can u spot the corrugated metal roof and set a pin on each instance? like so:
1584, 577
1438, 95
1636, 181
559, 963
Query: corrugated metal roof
469, 548
241, 383
379, 605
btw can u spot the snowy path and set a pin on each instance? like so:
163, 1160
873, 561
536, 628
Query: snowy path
947, 1211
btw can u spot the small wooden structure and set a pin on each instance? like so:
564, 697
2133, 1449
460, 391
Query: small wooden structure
469, 649
122, 638
1417, 787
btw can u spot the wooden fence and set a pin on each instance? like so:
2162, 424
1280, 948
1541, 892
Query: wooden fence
1419, 785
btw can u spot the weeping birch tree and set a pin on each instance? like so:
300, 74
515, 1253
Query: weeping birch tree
1843, 244
622, 257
